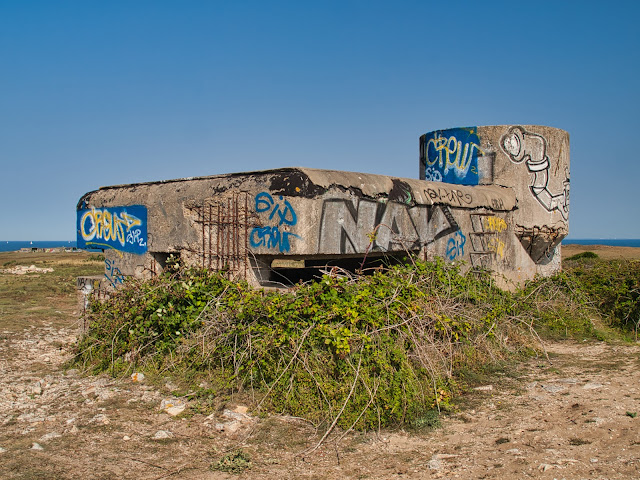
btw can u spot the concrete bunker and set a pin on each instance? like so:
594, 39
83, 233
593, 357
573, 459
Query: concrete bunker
496, 197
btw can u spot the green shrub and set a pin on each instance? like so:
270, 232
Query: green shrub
360, 352
614, 287
584, 255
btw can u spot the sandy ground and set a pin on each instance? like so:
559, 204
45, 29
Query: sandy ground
572, 417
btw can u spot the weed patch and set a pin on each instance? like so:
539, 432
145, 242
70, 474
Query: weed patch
235, 462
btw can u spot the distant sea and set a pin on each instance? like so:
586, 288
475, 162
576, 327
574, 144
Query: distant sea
11, 246
614, 242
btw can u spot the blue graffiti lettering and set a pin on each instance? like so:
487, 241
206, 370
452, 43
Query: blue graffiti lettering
272, 236
455, 245
451, 156
112, 273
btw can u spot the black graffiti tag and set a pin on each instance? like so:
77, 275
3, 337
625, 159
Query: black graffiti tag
451, 196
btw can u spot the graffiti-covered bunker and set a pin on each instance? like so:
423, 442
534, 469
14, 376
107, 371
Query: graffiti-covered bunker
496, 197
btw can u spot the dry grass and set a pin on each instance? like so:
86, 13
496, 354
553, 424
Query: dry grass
33, 299
605, 252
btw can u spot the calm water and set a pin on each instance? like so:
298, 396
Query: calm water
614, 242
10, 246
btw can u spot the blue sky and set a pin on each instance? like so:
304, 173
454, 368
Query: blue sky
103, 93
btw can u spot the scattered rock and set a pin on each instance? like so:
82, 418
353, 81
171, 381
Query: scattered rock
592, 386
552, 388
228, 427
237, 419
484, 388
100, 419
91, 392
234, 415
36, 446
22, 270
2, 450
173, 407
544, 467
569, 381
162, 434
49, 436
36, 389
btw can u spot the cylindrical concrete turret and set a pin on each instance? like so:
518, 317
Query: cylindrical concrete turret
532, 160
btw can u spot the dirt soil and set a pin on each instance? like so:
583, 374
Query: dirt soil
573, 417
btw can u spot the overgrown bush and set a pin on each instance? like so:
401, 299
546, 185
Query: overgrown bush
613, 286
583, 255
358, 352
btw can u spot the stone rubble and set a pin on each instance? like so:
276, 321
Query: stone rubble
23, 270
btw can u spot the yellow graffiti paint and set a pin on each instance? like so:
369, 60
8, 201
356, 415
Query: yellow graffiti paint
451, 154
497, 246
494, 224
103, 225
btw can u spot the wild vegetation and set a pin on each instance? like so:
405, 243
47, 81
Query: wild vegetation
357, 351
613, 286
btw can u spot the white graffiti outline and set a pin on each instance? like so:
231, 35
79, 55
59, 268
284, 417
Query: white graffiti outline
521, 146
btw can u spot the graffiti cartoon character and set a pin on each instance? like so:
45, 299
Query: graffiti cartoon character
522, 146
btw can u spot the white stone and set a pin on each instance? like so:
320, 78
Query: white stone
484, 388
592, 386
172, 407
36, 446
175, 410
553, 388
100, 419
37, 388
567, 380
137, 377
228, 427
162, 434
240, 417
49, 436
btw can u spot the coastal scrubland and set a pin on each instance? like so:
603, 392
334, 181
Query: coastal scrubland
414, 371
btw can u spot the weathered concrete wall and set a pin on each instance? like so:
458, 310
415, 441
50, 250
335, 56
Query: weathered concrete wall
504, 207
531, 160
